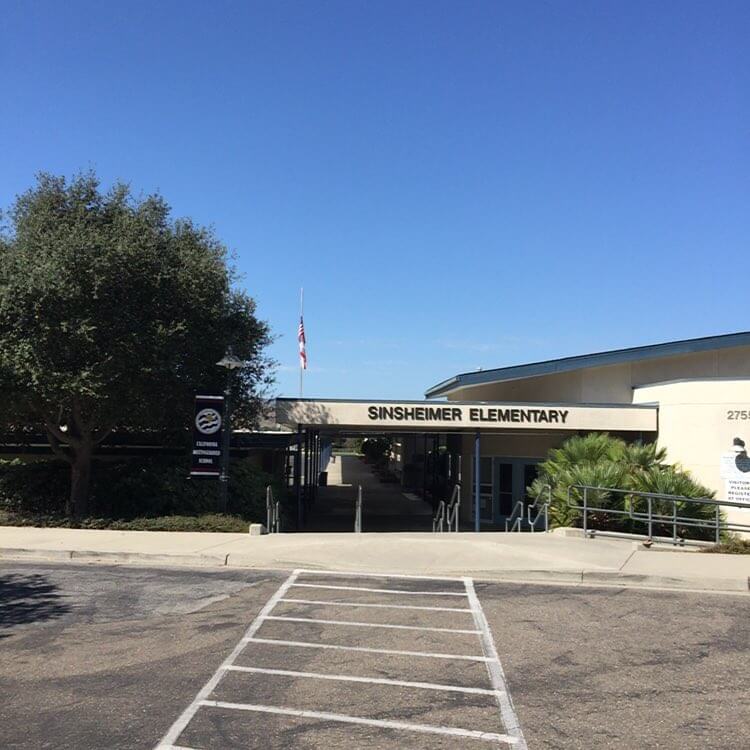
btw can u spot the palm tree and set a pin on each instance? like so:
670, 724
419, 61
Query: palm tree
598, 460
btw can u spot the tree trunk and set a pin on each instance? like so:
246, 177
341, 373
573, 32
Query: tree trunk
80, 476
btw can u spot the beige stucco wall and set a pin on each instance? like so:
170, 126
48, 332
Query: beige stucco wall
695, 429
613, 384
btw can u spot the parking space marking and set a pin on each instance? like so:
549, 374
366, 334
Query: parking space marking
495, 669
497, 689
184, 718
383, 723
378, 606
357, 624
307, 644
367, 680
406, 592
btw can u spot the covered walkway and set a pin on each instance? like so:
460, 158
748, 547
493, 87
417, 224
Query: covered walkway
385, 506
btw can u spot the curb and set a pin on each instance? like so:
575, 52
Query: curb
575, 577
131, 558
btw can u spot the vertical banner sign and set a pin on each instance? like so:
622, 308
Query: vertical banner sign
207, 424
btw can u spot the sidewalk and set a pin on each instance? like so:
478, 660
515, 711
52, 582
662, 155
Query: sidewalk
489, 556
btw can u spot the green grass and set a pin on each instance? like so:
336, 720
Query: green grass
204, 522
733, 546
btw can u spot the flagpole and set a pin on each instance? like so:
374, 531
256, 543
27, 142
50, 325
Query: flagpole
301, 313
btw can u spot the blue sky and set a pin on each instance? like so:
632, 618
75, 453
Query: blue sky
456, 184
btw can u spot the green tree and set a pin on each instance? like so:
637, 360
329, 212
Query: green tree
112, 315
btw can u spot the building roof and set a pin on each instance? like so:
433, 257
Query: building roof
598, 359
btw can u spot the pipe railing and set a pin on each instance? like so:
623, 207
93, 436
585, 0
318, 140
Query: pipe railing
448, 513
653, 514
513, 521
358, 511
438, 522
273, 520
543, 511
453, 509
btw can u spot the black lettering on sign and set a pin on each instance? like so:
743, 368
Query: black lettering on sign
564, 415
372, 412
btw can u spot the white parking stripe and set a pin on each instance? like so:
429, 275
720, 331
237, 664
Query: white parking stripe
513, 736
367, 680
307, 644
344, 574
184, 718
379, 606
495, 669
383, 723
372, 624
381, 591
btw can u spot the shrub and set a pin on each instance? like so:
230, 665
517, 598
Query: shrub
599, 460
151, 487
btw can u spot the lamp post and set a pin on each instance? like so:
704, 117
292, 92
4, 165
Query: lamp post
229, 362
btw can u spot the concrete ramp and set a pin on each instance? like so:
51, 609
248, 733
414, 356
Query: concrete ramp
385, 506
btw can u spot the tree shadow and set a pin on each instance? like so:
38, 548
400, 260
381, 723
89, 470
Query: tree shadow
26, 599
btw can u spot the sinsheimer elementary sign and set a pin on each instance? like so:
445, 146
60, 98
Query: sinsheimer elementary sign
433, 416
474, 414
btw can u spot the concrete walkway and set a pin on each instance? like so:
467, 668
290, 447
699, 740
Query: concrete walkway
490, 556
385, 506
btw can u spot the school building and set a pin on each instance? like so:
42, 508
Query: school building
494, 426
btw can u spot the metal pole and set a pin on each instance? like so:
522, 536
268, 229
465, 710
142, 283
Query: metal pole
458, 510
298, 476
358, 511
650, 521
477, 447
718, 524
424, 467
225, 436
301, 314
269, 500
316, 468
585, 511
306, 483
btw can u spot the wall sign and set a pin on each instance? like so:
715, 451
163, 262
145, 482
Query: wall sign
735, 470
207, 424
447, 415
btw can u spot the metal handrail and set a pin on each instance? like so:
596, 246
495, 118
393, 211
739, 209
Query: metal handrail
448, 513
273, 520
716, 525
438, 522
545, 490
454, 506
358, 511
514, 520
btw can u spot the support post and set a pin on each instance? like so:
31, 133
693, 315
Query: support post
226, 436
477, 464
424, 467
298, 476
306, 483
316, 467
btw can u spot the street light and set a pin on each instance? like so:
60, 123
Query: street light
230, 363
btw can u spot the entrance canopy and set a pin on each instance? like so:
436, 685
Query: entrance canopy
461, 416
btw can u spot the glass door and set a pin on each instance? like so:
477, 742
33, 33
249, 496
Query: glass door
486, 489
505, 487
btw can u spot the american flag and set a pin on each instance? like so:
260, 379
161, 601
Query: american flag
301, 339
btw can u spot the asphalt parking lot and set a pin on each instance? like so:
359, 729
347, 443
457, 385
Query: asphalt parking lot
117, 657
